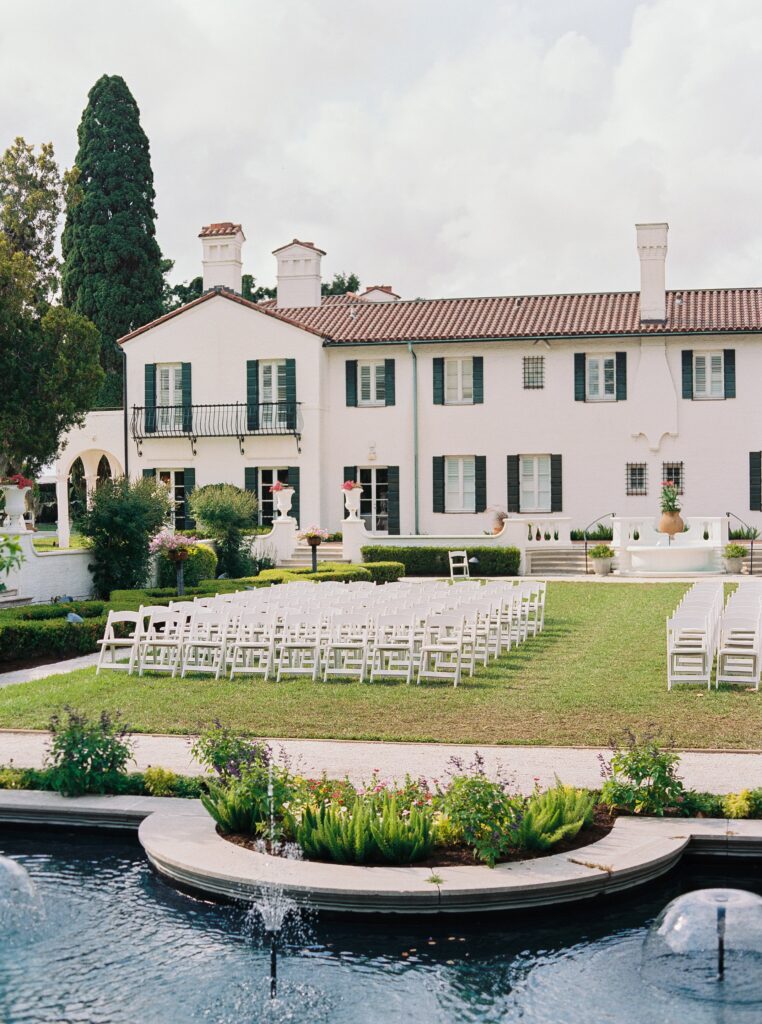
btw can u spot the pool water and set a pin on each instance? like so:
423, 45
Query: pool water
118, 945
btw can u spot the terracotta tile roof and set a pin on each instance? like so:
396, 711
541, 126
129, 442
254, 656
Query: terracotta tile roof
352, 319
528, 316
295, 241
224, 227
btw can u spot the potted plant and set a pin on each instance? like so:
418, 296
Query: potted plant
601, 556
15, 489
733, 557
283, 495
314, 535
352, 493
498, 522
670, 521
176, 548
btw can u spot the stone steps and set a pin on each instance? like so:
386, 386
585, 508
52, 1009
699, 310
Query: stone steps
11, 599
302, 555
557, 562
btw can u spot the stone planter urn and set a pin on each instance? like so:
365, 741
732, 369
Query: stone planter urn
15, 506
283, 499
733, 565
352, 501
671, 523
601, 566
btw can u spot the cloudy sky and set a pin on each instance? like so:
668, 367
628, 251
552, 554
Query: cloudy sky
442, 146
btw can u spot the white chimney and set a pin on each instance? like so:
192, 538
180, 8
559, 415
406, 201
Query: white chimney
652, 250
298, 274
222, 255
379, 293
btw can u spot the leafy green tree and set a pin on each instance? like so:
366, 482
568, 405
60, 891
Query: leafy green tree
180, 294
49, 371
112, 262
123, 517
32, 195
224, 511
341, 284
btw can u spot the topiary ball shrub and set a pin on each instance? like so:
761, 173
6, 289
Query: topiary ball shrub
201, 564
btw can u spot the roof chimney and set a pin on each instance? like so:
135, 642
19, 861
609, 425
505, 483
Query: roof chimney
379, 293
298, 274
222, 255
652, 250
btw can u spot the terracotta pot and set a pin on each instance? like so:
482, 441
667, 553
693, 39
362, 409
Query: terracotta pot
671, 523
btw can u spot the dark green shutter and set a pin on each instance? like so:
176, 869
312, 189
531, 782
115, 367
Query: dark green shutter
556, 484
187, 398
729, 363
350, 473
251, 480
621, 376
755, 481
189, 476
393, 498
148, 473
291, 396
389, 384
480, 482
478, 371
252, 394
351, 373
150, 398
579, 376
439, 381
514, 491
687, 373
438, 477
293, 479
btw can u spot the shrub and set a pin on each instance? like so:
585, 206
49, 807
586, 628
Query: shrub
485, 813
601, 551
702, 805
201, 564
159, 781
642, 777
735, 551
49, 638
371, 830
124, 516
86, 756
601, 532
224, 512
385, 572
556, 814
738, 805
241, 806
328, 573
219, 750
744, 533
431, 561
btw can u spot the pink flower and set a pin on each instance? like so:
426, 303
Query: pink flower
350, 485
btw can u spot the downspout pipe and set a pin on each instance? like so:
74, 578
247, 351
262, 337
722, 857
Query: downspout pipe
412, 352
125, 415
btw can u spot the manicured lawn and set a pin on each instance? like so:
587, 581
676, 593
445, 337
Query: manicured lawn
44, 542
598, 667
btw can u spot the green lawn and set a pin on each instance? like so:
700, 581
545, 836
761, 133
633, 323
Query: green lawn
598, 667
43, 542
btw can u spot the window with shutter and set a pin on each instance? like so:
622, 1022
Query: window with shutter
169, 396
708, 375
534, 477
601, 378
459, 381
372, 378
460, 483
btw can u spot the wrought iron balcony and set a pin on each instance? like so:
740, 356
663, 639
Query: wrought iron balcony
233, 419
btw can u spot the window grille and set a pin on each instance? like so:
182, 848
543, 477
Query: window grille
674, 473
534, 372
637, 478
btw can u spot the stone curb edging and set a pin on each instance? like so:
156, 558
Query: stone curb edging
35, 807
187, 850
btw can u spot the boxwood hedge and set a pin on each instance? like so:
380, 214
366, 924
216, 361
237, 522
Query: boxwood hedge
431, 561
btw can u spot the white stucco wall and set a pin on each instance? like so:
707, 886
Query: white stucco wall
45, 575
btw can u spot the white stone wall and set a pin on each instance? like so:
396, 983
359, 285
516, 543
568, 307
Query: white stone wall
45, 575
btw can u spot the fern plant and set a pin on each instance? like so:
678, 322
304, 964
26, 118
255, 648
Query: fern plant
556, 814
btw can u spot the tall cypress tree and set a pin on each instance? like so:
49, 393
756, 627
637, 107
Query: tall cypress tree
112, 262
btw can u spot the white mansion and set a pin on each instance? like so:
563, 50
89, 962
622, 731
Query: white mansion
444, 409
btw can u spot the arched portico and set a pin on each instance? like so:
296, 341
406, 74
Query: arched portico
98, 465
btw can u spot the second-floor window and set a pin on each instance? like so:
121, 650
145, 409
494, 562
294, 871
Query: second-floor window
169, 395
273, 393
534, 372
459, 381
637, 478
460, 483
708, 375
674, 473
534, 477
372, 383
601, 378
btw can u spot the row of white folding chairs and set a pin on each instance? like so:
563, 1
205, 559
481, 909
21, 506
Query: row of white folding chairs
738, 652
693, 635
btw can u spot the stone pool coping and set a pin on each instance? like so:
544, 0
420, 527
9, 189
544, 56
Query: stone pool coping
182, 844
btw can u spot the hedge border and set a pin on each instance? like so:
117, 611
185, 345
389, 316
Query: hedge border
433, 561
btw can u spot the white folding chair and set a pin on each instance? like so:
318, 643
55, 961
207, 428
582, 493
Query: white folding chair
160, 646
345, 652
392, 654
120, 651
299, 649
204, 646
442, 648
253, 651
458, 565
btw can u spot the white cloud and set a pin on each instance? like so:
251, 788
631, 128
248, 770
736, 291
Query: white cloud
441, 147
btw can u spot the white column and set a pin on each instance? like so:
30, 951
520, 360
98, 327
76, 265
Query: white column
62, 498
91, 481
